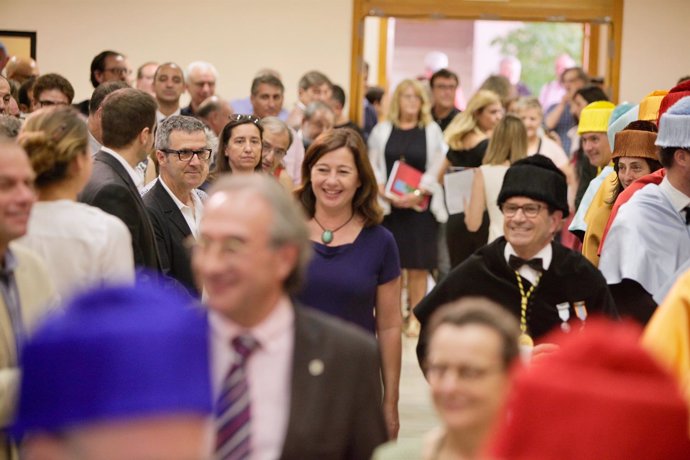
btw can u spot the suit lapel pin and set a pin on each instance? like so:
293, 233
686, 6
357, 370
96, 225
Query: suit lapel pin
316, 367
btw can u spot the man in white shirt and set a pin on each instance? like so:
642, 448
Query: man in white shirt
127, 121
175, 203
309, 386
168, 86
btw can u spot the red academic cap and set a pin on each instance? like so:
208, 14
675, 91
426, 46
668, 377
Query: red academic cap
601, 396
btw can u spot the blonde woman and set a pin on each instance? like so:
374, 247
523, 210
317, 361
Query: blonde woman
508, 144
81, 245
468, 137
411, 135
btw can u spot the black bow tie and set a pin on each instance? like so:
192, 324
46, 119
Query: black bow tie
516, 262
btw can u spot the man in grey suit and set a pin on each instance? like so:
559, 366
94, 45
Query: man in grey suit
174, 203
127, 121
290, 382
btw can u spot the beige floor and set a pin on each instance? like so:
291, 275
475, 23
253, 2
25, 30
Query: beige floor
416, 412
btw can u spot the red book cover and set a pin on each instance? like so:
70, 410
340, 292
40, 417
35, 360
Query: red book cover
405, 179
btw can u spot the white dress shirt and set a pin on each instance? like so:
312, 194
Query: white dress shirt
136, 174
527, 272
191, 214
678, 199
269, 373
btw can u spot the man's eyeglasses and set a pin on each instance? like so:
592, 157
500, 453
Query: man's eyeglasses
266, 148
119, 71
187, 154
51, 103
530, 210
241, 117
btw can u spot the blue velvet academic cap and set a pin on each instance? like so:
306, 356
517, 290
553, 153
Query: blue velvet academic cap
115, 353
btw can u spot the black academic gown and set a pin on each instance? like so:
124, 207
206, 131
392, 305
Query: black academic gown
570, 278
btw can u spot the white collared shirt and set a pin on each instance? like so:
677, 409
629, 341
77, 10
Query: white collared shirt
527, 272
135, 174
160, 116
269, 373
678, 199
191, 214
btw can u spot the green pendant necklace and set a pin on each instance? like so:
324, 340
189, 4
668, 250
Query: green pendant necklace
327, 235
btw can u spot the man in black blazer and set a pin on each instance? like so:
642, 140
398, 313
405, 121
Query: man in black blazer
127, 122
174, 203
313, 382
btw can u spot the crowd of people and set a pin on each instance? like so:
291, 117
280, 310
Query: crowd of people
233, 279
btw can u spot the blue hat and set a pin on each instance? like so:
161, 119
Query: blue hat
674, 125
621, 116
115, 353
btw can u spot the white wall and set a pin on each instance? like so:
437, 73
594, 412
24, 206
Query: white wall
239, 37
655, 46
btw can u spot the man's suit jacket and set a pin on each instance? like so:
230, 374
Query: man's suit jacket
335, 402
171, 229
112, 190
36, 295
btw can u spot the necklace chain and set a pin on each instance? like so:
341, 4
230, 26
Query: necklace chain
327, 235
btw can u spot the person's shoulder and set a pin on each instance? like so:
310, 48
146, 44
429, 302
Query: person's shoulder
569, 262
379, 233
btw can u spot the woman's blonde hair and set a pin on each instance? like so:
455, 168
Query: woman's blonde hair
53, 138
530, 102
424, 115
466, 122
508, 142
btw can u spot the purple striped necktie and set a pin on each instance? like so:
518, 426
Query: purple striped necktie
233, 408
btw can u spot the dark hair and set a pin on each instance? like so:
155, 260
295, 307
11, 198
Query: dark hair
592, 94
266, 79
666, 155
374, 94
222, 163
338, 94
443, 73
25, 89
98, 64
101, 92
365, 200
682, 79
482, 311
581, 74
126, 113
50, 81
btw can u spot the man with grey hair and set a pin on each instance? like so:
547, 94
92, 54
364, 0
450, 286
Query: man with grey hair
277, 139
275, 366
201, 79
313, 86
174, 203
9, 126
318, 117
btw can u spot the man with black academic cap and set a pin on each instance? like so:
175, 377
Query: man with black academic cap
543, 283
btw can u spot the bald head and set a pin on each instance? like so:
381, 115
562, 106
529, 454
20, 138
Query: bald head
21, 69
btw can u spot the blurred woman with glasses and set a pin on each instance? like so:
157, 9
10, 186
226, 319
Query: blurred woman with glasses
81, 245
473, 343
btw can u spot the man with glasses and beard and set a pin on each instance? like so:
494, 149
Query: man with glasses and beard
174, 203
544, 284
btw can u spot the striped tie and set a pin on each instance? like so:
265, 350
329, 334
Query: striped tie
233, 415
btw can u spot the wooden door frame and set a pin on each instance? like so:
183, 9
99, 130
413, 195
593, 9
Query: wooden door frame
595, 12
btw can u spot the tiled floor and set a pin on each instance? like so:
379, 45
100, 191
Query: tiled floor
416, 412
